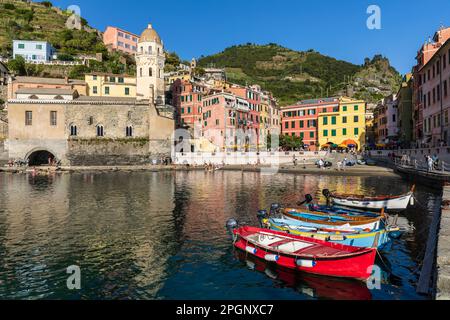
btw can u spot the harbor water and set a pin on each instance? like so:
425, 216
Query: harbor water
161, 235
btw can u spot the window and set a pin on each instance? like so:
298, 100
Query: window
311, 134
325, 133
106, 90
73, 130
217, 122
189, 110
344, 119
150, 72
325, 121
333, 133
127, 91
53, 116
129, 131
333, 120
21, 46
445, 89
120, 80
28, 118
394, 118
112, 79
39, 47
302, 123
293, 124
140, 72
286, 125
100, 132
344, 132
94, 90
356, 119
438, 92
344, 108
356, 131
356, 108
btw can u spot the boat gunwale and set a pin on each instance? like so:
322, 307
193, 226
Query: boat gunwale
358, 252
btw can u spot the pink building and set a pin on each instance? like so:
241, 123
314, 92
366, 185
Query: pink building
253, 95
424, 55
301, 120
226, 122
434, 96
121, 40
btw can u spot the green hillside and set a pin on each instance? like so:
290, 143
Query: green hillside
296, 75
41, 21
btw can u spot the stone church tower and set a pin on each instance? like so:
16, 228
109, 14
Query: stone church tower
150, 59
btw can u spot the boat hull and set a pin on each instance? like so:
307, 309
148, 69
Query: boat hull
400, 203
374, 239
357, 263
362, 224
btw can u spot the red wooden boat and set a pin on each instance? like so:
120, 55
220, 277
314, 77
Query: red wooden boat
306, 254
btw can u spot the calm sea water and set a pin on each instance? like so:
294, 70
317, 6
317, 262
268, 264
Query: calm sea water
162, 236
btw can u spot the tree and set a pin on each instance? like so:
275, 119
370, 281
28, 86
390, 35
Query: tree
17, 65
290, 143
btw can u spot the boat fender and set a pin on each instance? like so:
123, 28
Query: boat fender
337, 238
305, 263
271, 258
251, 250
411, 201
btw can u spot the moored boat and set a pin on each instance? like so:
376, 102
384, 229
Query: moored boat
306, 254
372, 239
388, 202
321, 221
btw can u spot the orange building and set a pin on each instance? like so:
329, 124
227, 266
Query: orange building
301, 120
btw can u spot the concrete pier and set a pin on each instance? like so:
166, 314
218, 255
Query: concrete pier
443, 249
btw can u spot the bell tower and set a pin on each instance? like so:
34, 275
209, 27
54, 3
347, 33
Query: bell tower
150, 59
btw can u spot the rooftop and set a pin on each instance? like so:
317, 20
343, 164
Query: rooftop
45, 91
38, 80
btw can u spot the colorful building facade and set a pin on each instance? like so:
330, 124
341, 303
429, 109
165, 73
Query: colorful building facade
33, 51
120, 40
110, 85
344, 125
301, 120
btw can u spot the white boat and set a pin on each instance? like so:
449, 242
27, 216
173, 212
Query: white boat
377, 203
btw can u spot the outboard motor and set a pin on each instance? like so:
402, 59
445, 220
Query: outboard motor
262, 214
327, 194
308, 200
275, 209
231, 225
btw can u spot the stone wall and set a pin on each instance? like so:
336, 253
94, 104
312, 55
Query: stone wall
110, 152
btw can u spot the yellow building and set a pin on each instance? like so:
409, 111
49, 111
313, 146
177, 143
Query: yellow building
180, 75
264, 119
345, 125
110, 85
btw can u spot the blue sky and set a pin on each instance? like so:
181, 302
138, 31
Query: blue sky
333, 27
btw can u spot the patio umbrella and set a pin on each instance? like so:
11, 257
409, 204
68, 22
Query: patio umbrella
349, 142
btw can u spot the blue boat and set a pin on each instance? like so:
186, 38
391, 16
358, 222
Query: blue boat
341, 210
373, 239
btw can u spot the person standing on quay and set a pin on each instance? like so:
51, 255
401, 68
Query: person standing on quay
430, 163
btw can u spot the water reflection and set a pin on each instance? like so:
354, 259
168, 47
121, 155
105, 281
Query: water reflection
312, 286
162, 235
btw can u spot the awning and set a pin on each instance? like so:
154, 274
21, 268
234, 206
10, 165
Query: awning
349, 142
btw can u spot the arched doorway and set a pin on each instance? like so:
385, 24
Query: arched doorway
41, 157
